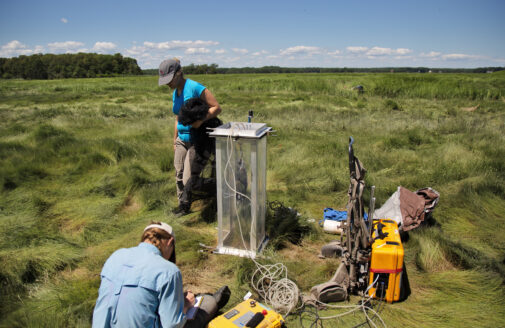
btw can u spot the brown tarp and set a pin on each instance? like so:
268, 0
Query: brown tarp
412, 206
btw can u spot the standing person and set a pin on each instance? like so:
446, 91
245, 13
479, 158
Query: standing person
170, 73
141, 286
195, 109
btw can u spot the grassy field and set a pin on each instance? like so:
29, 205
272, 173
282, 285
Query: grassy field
86, 164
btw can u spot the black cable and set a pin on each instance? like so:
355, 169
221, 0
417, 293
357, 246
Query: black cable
317, 321
364, 322
381, 302
379, 308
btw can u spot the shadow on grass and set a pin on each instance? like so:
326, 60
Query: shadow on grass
405, 290
209, 211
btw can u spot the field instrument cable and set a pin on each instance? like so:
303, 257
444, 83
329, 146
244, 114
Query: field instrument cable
271, 281
364, 305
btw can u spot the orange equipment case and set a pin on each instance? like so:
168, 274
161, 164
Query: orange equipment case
387, 261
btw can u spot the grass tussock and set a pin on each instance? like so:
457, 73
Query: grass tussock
285, 225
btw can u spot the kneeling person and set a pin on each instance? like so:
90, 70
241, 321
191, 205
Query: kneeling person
141, 286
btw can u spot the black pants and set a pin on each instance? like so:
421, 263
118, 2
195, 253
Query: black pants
209, 308
198, 161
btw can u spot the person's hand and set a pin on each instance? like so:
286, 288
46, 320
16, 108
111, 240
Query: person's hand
189, 300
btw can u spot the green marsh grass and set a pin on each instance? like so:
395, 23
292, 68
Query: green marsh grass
86, 164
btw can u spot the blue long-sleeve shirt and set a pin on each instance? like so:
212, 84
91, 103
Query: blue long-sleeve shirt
139, 289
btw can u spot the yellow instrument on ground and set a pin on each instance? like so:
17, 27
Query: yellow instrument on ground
250, 313
386, 265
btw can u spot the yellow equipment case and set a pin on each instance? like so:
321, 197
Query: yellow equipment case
241, 314
387, 261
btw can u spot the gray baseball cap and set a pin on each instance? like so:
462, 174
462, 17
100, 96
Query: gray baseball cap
167, 70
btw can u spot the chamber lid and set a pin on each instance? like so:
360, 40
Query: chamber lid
241, 129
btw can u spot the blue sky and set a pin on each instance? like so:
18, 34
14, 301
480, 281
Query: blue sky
259, 33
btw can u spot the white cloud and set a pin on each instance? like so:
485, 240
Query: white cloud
191, 51
240, 51
297, 50
14, 48
334, 53
176, 44
435, 56
458, 57
403, 57
378, 51
403, 51
200, 43
431, 54
14, 45
64, 20
260, 53
104, 47
135, 51
38, 50
150, 54
152, 45
66, 47
356, 50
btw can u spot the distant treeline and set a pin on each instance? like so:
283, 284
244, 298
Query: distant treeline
50, 66
214, 69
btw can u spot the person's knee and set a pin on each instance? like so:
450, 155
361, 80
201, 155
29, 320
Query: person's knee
209, 305
205, 313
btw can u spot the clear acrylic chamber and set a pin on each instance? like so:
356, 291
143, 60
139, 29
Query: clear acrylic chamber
241, 157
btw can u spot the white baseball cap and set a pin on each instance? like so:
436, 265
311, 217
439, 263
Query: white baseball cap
163, 226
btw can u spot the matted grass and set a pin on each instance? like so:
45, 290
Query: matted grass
86, 164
